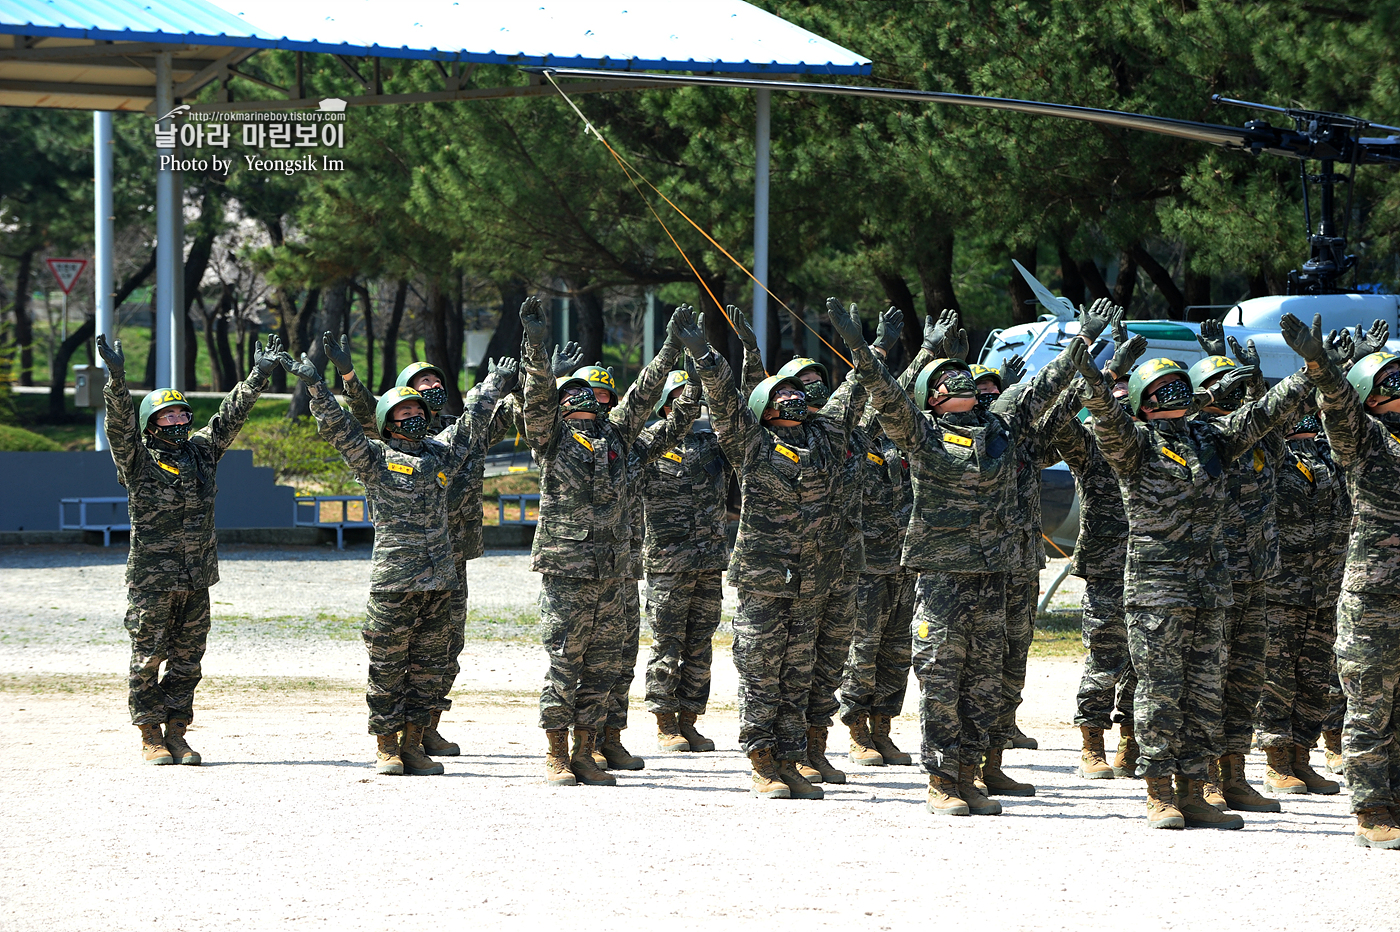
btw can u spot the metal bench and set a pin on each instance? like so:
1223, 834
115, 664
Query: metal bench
337, 511
114, 506
521, 499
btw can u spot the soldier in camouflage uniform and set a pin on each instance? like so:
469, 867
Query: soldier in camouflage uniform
1314, 516
783, 564
1361, 416
407, 477
961, 540
1172, 471
169, 475
1100, 551
464, 493
588, 462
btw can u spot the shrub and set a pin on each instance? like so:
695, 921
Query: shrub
17, 439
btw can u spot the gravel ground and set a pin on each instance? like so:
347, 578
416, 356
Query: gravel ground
288, 826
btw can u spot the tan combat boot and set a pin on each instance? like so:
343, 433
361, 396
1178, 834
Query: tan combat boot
996, 780
764, 782
978, 802
1332, 742
415, 762
1376, 828
668, 735
1161, 804
386, 756
1211, 792
556, 759
943, 798
816, 768
698, 742
1314, 781
1239, 795
617, 756
434, 744
1196, 811
1125, 761
180, 749
1093, 759
880, 738
1278, 776
153, 749
863, 753
799, 787
581, 762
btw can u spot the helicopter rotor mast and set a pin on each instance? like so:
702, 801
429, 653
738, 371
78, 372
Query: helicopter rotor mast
1326, 137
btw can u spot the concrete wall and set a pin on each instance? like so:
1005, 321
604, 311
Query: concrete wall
31, 485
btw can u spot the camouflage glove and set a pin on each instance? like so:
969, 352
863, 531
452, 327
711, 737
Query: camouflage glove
690, 331
112, 356
303, 370
1011, 371
504, 372
1372, 341
743, 328
846, 323
566, 361
1126, 355
1340, 347
339, 355
267, 358
887, 330
532, 321
937, 330
1249, 357
1212, 338
1096, 318
1304, 340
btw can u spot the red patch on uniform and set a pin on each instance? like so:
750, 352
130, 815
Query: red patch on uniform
612, 455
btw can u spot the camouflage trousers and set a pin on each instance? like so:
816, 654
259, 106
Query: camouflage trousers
1106, 689
408, 636
959, 635
1022, 594
683, 612
834, 630
615, 706
774, 642
1299, 670
1368, 660
1176, 712
583, 624
1336, 702
1246, 644
877, 667
169, 627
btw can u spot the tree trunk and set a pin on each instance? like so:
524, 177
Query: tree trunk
505, 340
590, 326
1024, 308
24, 327
1126, 282
216, 365
306, 319
1162, 279
437, 342
363, 292
1093, 280
898, 294
1197, 291
220, 350
391, 338
934, 264
1071, 281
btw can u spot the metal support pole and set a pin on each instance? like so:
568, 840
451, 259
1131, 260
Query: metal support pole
168, 249
762, 134
649, 329
564, 322
178, 319
103, 288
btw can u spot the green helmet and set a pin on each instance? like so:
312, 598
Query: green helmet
763, 392
415, 369
1207, 369
794, 368
391, 398
597, 377
157, 401
980, 372
928, 379
674, 380
1147, 373
1362, 375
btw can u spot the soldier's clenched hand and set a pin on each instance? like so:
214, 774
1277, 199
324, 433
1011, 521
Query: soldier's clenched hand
339, 355
1212, 337
1304, 340
267, 358
532, 320
112, 356
887, 330
303, 370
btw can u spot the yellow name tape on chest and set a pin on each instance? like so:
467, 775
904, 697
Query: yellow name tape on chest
173, 470
788, 453
958, 439
672, 455
584, 440
442, 479
875, 458
1173, 456
1305, 470
1259, 461
399, 468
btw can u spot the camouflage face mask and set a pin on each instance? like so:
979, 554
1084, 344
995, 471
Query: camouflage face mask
960, 385
414, 428
985, 399
173, 433
1174, 396
817, 393
435, 397
792, 409
1312, 424
1232, 401
581, 401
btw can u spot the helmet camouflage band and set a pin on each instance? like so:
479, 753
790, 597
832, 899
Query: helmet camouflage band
415, 369
157, 401
393, 397
1147, 373
794, 368
1363, 375
1206, 369
675, 379
980, 372
928, 379
762, 394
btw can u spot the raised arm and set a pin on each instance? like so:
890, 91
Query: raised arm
659, 437
1119, 439
903, 422
1027, 405
753, 371
469, 429
736, 429
123, 433
541, 412
631, 413
334, 423
224, 426
1247, 426
357, 396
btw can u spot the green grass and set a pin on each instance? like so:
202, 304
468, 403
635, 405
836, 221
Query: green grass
1057, 635
17, 439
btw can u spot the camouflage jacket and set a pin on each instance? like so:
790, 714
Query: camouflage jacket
964, 469
666, 434
1173, 475
171, 488
1101, 549
587, 468
464, 493
1251, 522
1032, 454
887, 495
1368, 449
408, 486
789, 477
1314, 517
